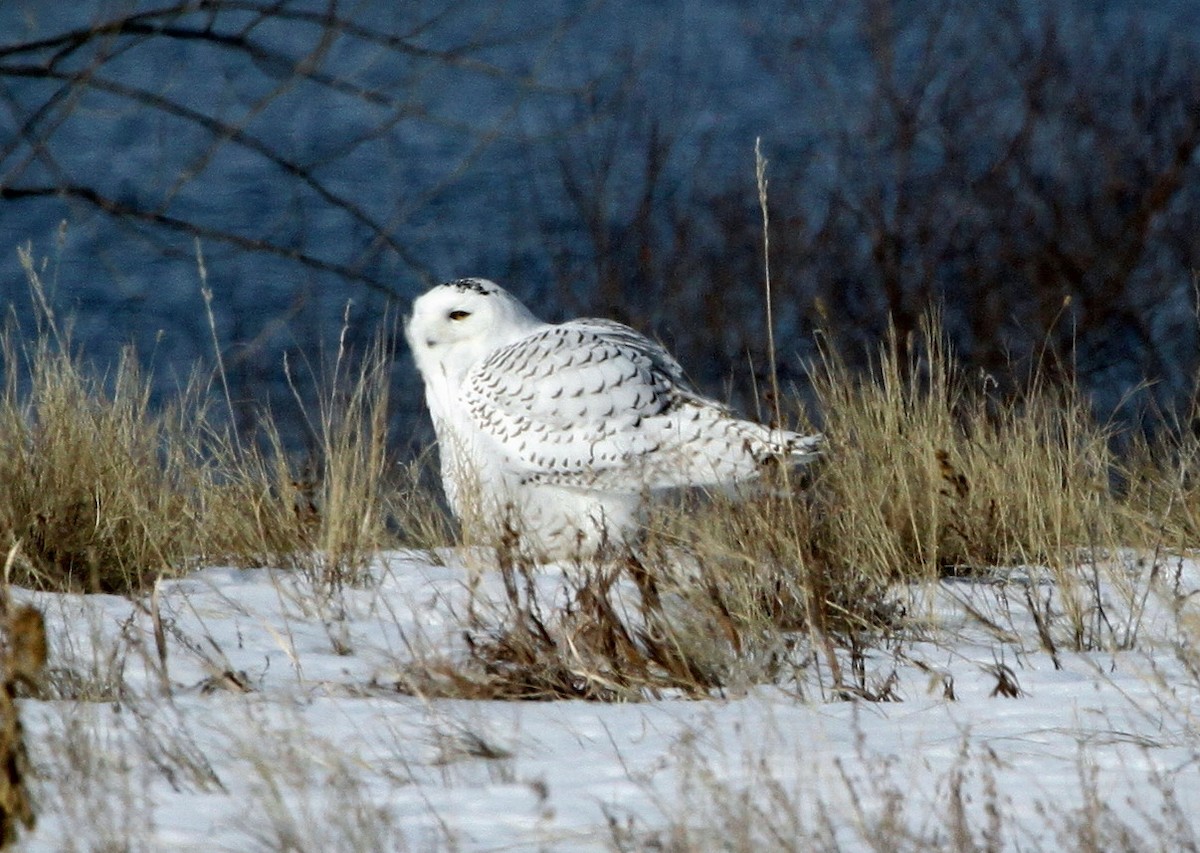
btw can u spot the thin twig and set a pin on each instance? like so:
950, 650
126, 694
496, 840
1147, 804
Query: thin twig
206, 293
760, 174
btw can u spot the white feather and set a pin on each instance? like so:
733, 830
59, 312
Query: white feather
560, 432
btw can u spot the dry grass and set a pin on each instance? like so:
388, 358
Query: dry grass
327, 513
101, 492
929, 474
105, 492
932, 474
875, 807
602, 639
416, 507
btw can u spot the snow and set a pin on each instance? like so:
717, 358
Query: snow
310, 745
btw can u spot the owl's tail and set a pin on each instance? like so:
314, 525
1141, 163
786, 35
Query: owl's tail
751, 450
769, 448
797, 449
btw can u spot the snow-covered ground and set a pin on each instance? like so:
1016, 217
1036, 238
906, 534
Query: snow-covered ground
268, 719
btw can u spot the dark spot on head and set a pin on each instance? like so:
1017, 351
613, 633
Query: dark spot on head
473, 285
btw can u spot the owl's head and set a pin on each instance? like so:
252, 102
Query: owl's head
455, 325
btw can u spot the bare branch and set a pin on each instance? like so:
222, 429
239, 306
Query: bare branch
192, 229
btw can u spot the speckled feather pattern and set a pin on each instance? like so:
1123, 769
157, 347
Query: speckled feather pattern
569, 427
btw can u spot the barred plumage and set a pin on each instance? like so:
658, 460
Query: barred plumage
562, 431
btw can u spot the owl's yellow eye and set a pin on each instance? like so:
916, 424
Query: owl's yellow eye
459, 315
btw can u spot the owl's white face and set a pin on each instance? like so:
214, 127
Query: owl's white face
455, 325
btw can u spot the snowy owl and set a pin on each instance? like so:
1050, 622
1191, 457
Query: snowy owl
560, 432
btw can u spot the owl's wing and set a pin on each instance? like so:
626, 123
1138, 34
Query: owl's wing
577, 403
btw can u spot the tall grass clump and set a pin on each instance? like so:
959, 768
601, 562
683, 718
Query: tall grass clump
101, 491
928, 473
415, 507
326, 511
1162, 480
933, 473
106, 491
